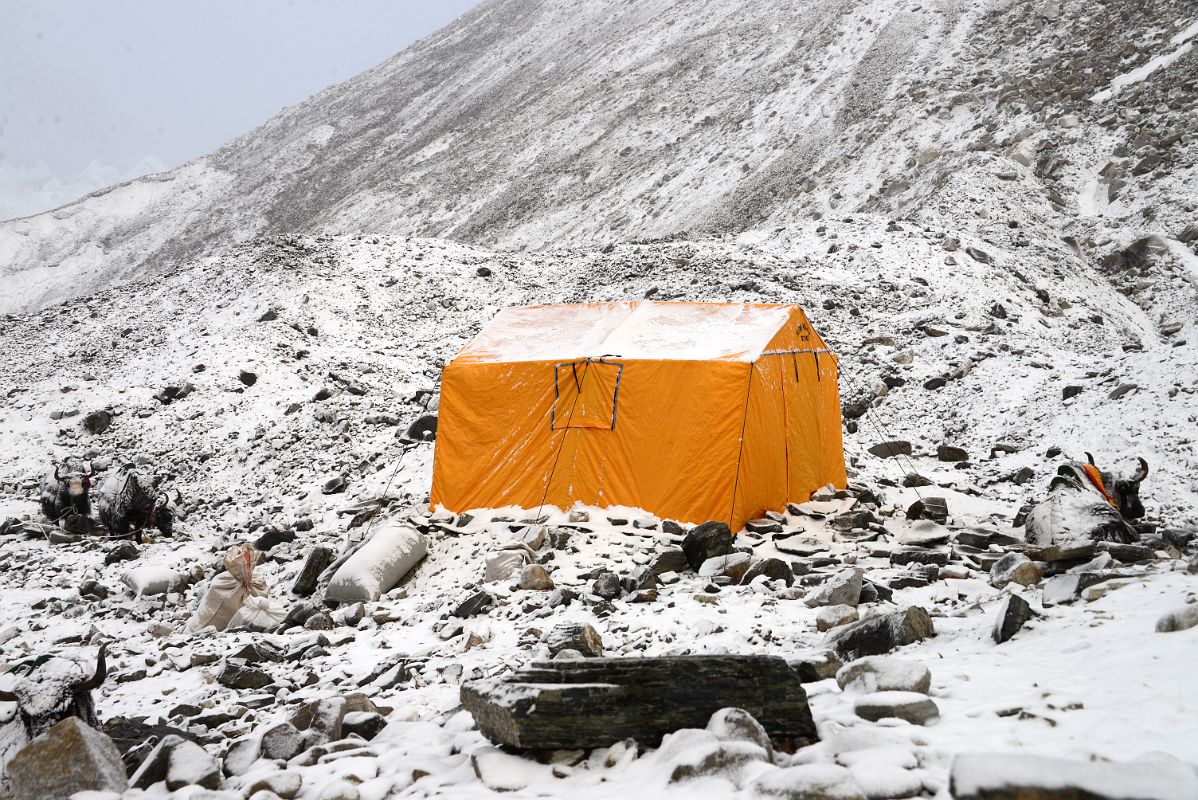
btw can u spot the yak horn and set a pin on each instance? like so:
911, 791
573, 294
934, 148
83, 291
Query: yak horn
57, 477
1142, 472
7, 697
1090, 458
101, 672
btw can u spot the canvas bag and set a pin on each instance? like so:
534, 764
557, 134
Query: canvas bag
258, 614
229, 590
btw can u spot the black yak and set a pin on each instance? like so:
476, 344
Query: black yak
63, 495
127, 503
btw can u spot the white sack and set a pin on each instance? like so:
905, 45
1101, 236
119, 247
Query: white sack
228, 591
378, 564
259, 614
150, 580
505, 564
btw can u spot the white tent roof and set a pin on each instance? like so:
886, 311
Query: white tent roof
628, 330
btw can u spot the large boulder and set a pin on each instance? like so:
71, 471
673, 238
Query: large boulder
706, 541
884, 674
577, 636
1019, 776
842, 589
71, 757
322, 719
879, 635
914, 707
378, 565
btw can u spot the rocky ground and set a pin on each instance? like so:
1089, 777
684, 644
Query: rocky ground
268, 391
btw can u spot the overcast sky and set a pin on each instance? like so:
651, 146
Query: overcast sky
116, 81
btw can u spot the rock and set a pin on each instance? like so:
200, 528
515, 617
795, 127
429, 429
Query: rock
916, 708
725, 759
191, 765
323, 719
379, 565
891, 449
842, 589
424, 429
1012, 614
1128, 553
607, 585
884, 674
285, 785
273, 538
763, 525
475, 603
578, 516
807, 782
1007, 776
934, 509
925, 533
334, 485
948, 453
1014, 568
829, 617
575, 636
707, 541
1063, 589
320, 621
71, 757
316, 562
915, 480
239, 675
1122, 390
281, 741
247, 378
816, 665
978, 255
596, 702
534, 578
918, 555
881, 634
366, 724
1178, 620
97, 422
738, 725
1071, 391
733, 566
775, 569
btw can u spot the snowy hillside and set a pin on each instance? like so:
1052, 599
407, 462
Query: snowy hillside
549, 125
32, 190
987, 210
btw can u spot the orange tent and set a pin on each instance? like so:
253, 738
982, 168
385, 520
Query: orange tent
691, 411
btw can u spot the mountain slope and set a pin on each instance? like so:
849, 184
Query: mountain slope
537, 124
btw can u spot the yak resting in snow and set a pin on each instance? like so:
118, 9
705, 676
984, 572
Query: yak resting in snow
63, 495
126, 504
1086, 503
56, 686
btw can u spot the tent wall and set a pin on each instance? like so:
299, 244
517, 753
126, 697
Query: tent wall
673, 448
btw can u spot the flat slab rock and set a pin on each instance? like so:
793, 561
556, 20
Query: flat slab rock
595, 702
916, 708
1015, 776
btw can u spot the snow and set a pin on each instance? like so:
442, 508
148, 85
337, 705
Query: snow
1158, 778
1183, 44
631, 331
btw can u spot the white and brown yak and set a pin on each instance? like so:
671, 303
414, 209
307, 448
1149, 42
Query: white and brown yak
1086, 503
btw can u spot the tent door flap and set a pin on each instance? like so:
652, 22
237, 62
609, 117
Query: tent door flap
585, 394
